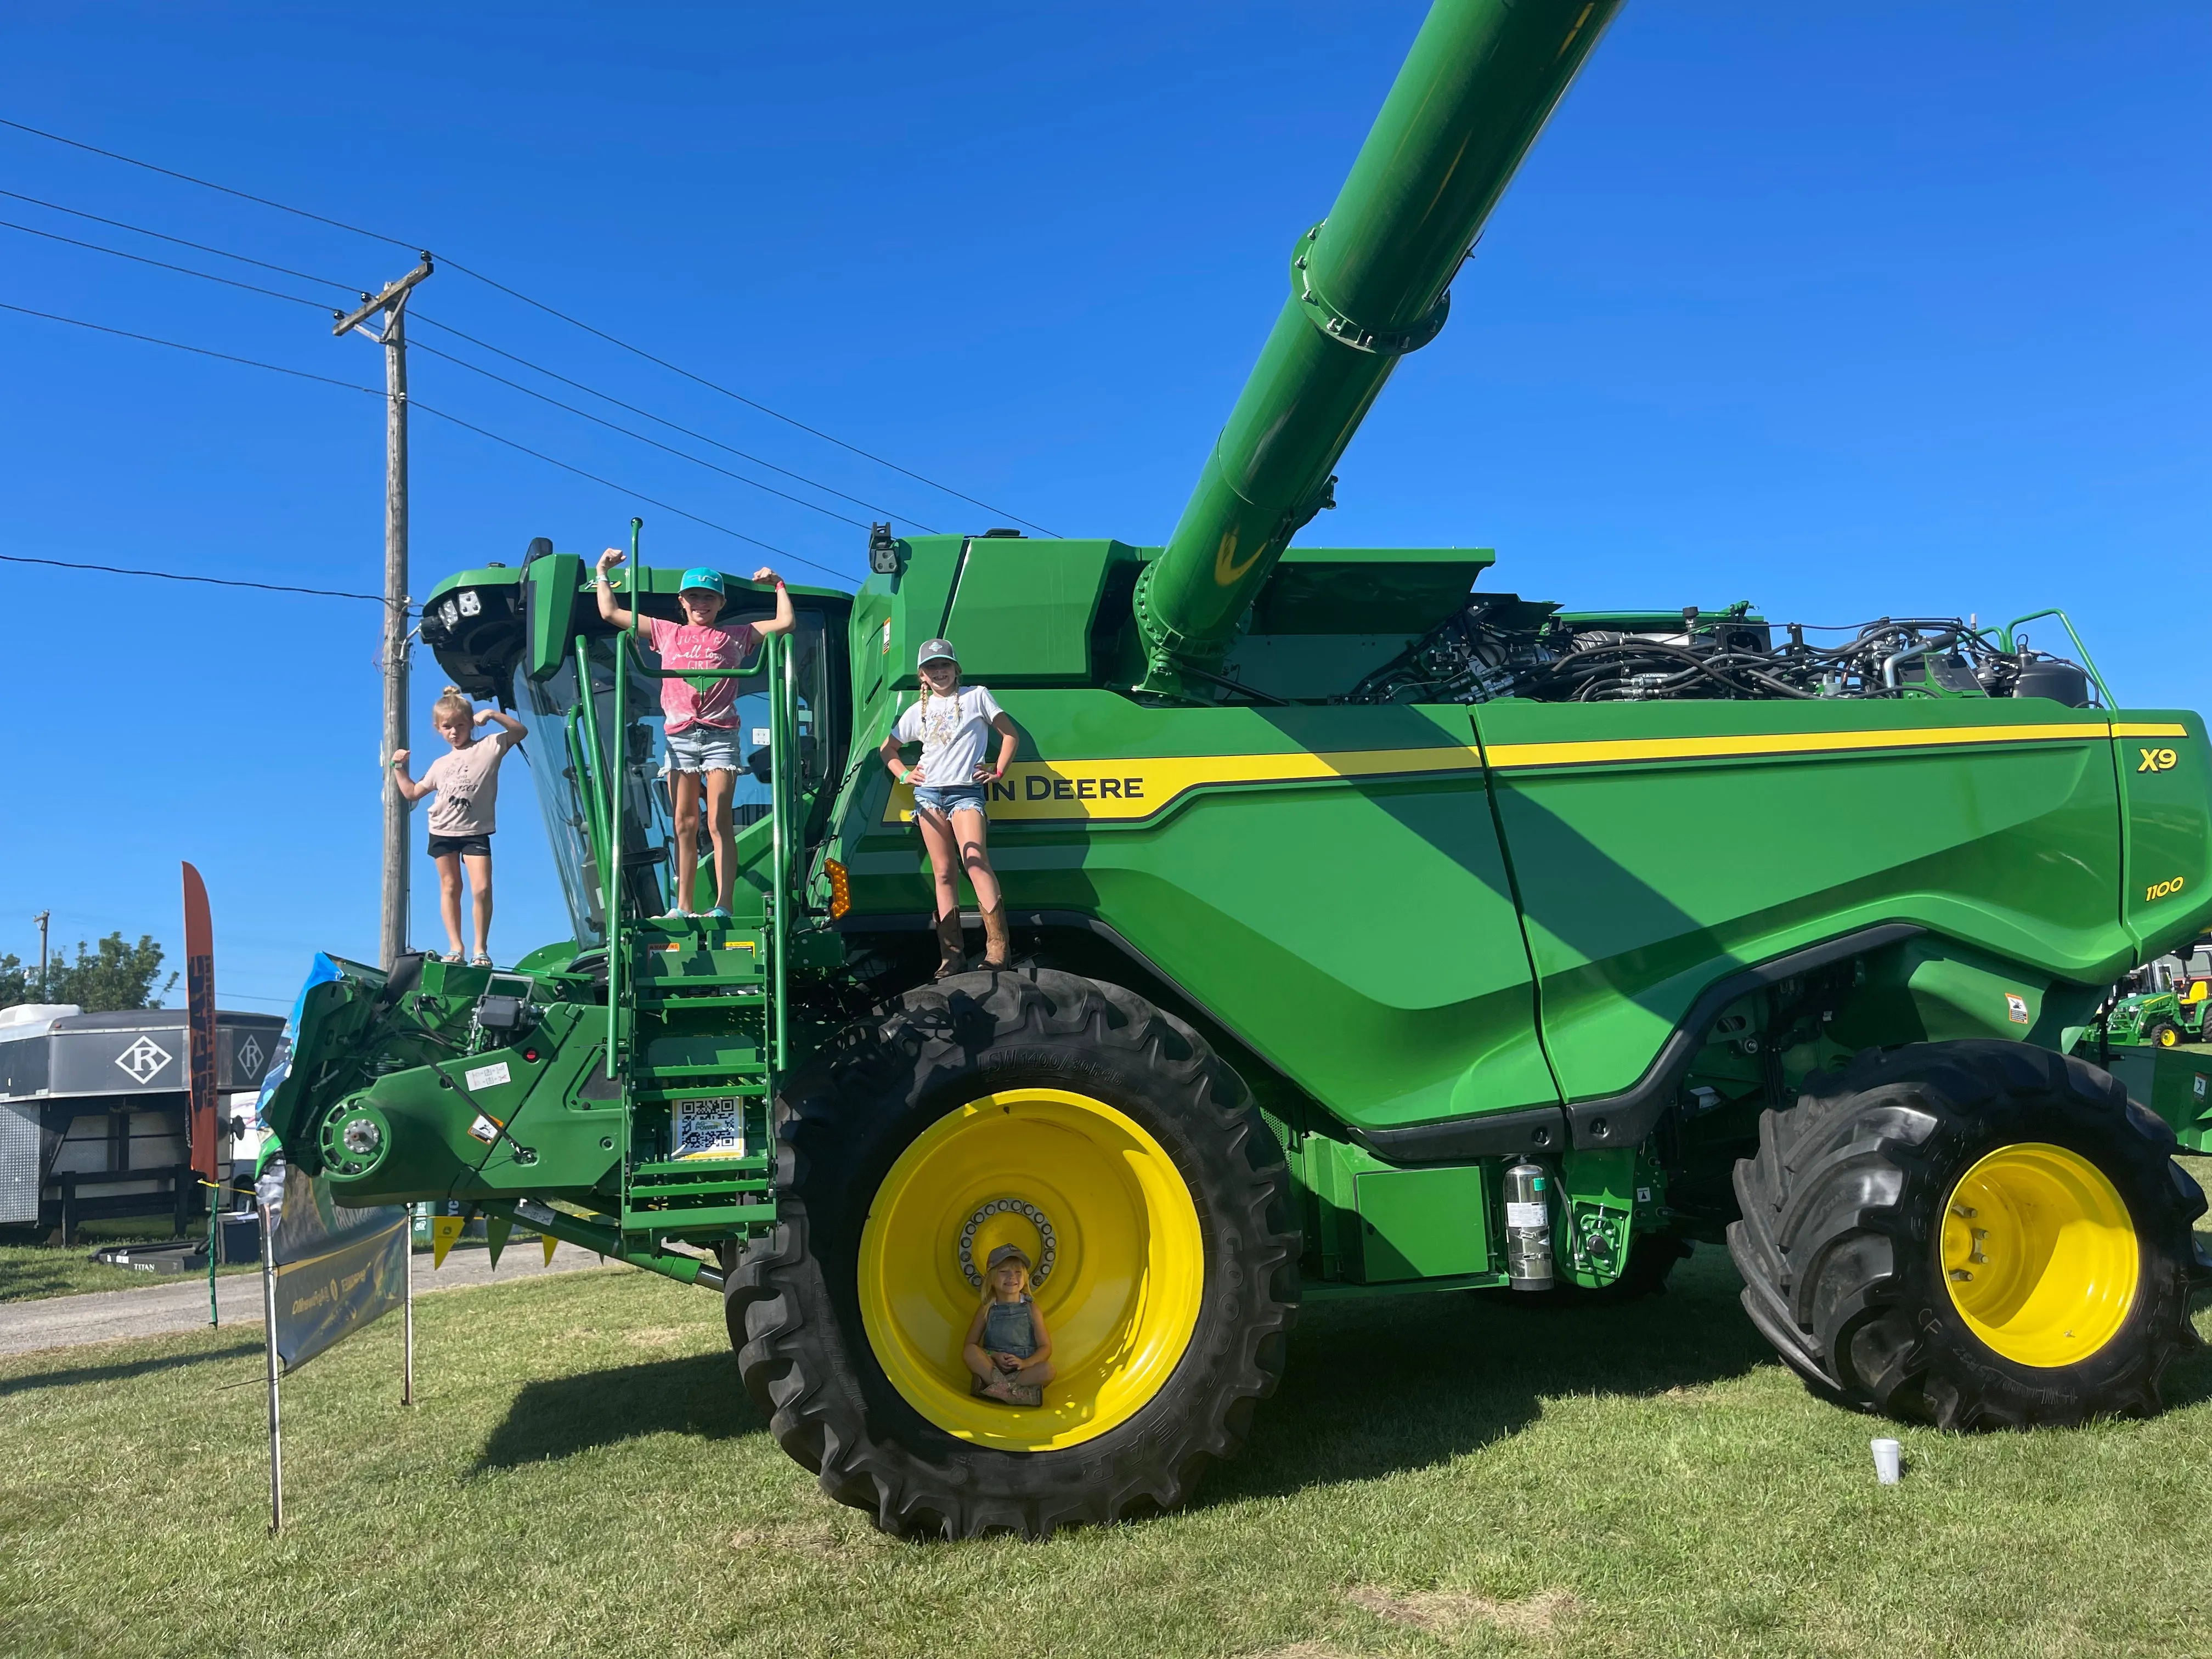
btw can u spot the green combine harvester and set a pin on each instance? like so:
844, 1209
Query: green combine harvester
1379, 930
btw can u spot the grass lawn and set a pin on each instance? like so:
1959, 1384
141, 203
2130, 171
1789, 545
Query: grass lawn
30, 1271
1439, 1474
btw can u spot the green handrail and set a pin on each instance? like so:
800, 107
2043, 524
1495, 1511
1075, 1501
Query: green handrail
2087, 662
587, 781
611, 808
780, 700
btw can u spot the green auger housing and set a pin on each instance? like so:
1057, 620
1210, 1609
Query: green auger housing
1376, 930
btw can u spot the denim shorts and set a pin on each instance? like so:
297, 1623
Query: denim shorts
949, 798
704, 749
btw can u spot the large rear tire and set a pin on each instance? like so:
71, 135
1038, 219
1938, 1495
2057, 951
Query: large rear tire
1977, 1234
1106, 1137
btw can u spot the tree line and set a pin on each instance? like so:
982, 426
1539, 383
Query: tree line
104, 977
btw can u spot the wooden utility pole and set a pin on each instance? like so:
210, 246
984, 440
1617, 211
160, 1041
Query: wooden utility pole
392, 303
42, 918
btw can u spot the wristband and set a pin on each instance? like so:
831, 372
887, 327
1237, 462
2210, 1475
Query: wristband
395, 763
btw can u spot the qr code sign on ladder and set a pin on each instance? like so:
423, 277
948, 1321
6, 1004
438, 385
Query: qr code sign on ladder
711, 1129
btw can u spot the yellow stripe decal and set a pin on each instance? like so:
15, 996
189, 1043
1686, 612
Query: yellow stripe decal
2153, 729
1086, 791
1510, 757
1125, 791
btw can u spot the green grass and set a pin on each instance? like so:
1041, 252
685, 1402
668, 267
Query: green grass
1439, 1474
29, 1271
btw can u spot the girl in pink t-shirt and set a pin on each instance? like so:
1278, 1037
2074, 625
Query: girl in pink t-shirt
701, 724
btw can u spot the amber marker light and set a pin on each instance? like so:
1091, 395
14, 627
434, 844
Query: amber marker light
841, 890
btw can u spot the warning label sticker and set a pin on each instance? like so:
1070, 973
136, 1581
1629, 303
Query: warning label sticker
488, 1076
710, 1128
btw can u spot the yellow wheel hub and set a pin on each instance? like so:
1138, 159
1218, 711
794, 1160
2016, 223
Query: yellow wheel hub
2039, 1254
1128, 1267
2167, 1037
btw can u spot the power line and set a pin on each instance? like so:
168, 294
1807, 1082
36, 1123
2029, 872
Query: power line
208, 184
594, 392
163, 236
378, 392
163, 264
414, 247
212, 581
200, 351
673, 368
671, 449
740, 535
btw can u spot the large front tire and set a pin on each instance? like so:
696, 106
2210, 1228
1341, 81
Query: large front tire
1976, 1234
1105, 1136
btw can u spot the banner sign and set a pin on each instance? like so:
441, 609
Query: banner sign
199, 1019
337, 1268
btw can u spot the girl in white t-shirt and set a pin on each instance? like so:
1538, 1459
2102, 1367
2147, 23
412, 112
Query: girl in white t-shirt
951, 722
465, 780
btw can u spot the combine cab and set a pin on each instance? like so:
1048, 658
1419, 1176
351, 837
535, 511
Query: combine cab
1380, 929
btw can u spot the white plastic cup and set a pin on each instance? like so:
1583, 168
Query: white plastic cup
1886, 1462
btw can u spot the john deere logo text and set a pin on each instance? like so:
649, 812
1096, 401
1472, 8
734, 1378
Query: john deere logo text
2157, 760
2163, 889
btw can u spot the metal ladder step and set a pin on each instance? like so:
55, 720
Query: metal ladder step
691, 1001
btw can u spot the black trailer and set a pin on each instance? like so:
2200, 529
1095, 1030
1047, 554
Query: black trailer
94, 1110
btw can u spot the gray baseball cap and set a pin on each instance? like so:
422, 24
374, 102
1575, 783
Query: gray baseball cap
932, 650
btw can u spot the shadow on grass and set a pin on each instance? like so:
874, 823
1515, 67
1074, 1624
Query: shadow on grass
1408, 1382
2189, 1379
558, 1418
124, 1369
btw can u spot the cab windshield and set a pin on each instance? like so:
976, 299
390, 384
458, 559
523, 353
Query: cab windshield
637, 759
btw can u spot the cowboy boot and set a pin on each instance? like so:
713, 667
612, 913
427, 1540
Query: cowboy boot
996, 952
951, 958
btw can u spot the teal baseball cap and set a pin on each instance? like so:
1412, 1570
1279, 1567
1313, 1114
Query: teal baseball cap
699, 576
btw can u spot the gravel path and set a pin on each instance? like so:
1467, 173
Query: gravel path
70, 1321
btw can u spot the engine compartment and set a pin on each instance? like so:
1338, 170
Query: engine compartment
1499, 645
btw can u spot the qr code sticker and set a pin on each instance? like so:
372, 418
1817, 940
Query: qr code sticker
710, 1128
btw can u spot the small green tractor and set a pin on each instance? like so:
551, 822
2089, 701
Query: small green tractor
2161, 1018
1378, 930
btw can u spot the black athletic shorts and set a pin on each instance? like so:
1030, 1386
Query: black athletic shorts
479, 845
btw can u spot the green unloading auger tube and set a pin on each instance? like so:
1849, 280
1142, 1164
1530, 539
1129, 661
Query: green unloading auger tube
1368, 284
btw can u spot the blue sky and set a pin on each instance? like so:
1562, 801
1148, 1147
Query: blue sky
1850, 311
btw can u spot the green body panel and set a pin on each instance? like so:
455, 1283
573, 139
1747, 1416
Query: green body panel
1025, 614
1643, 877
1316, 940
2169, 869
2175, 1084
1368, 1222
924, 589
1423, 1223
